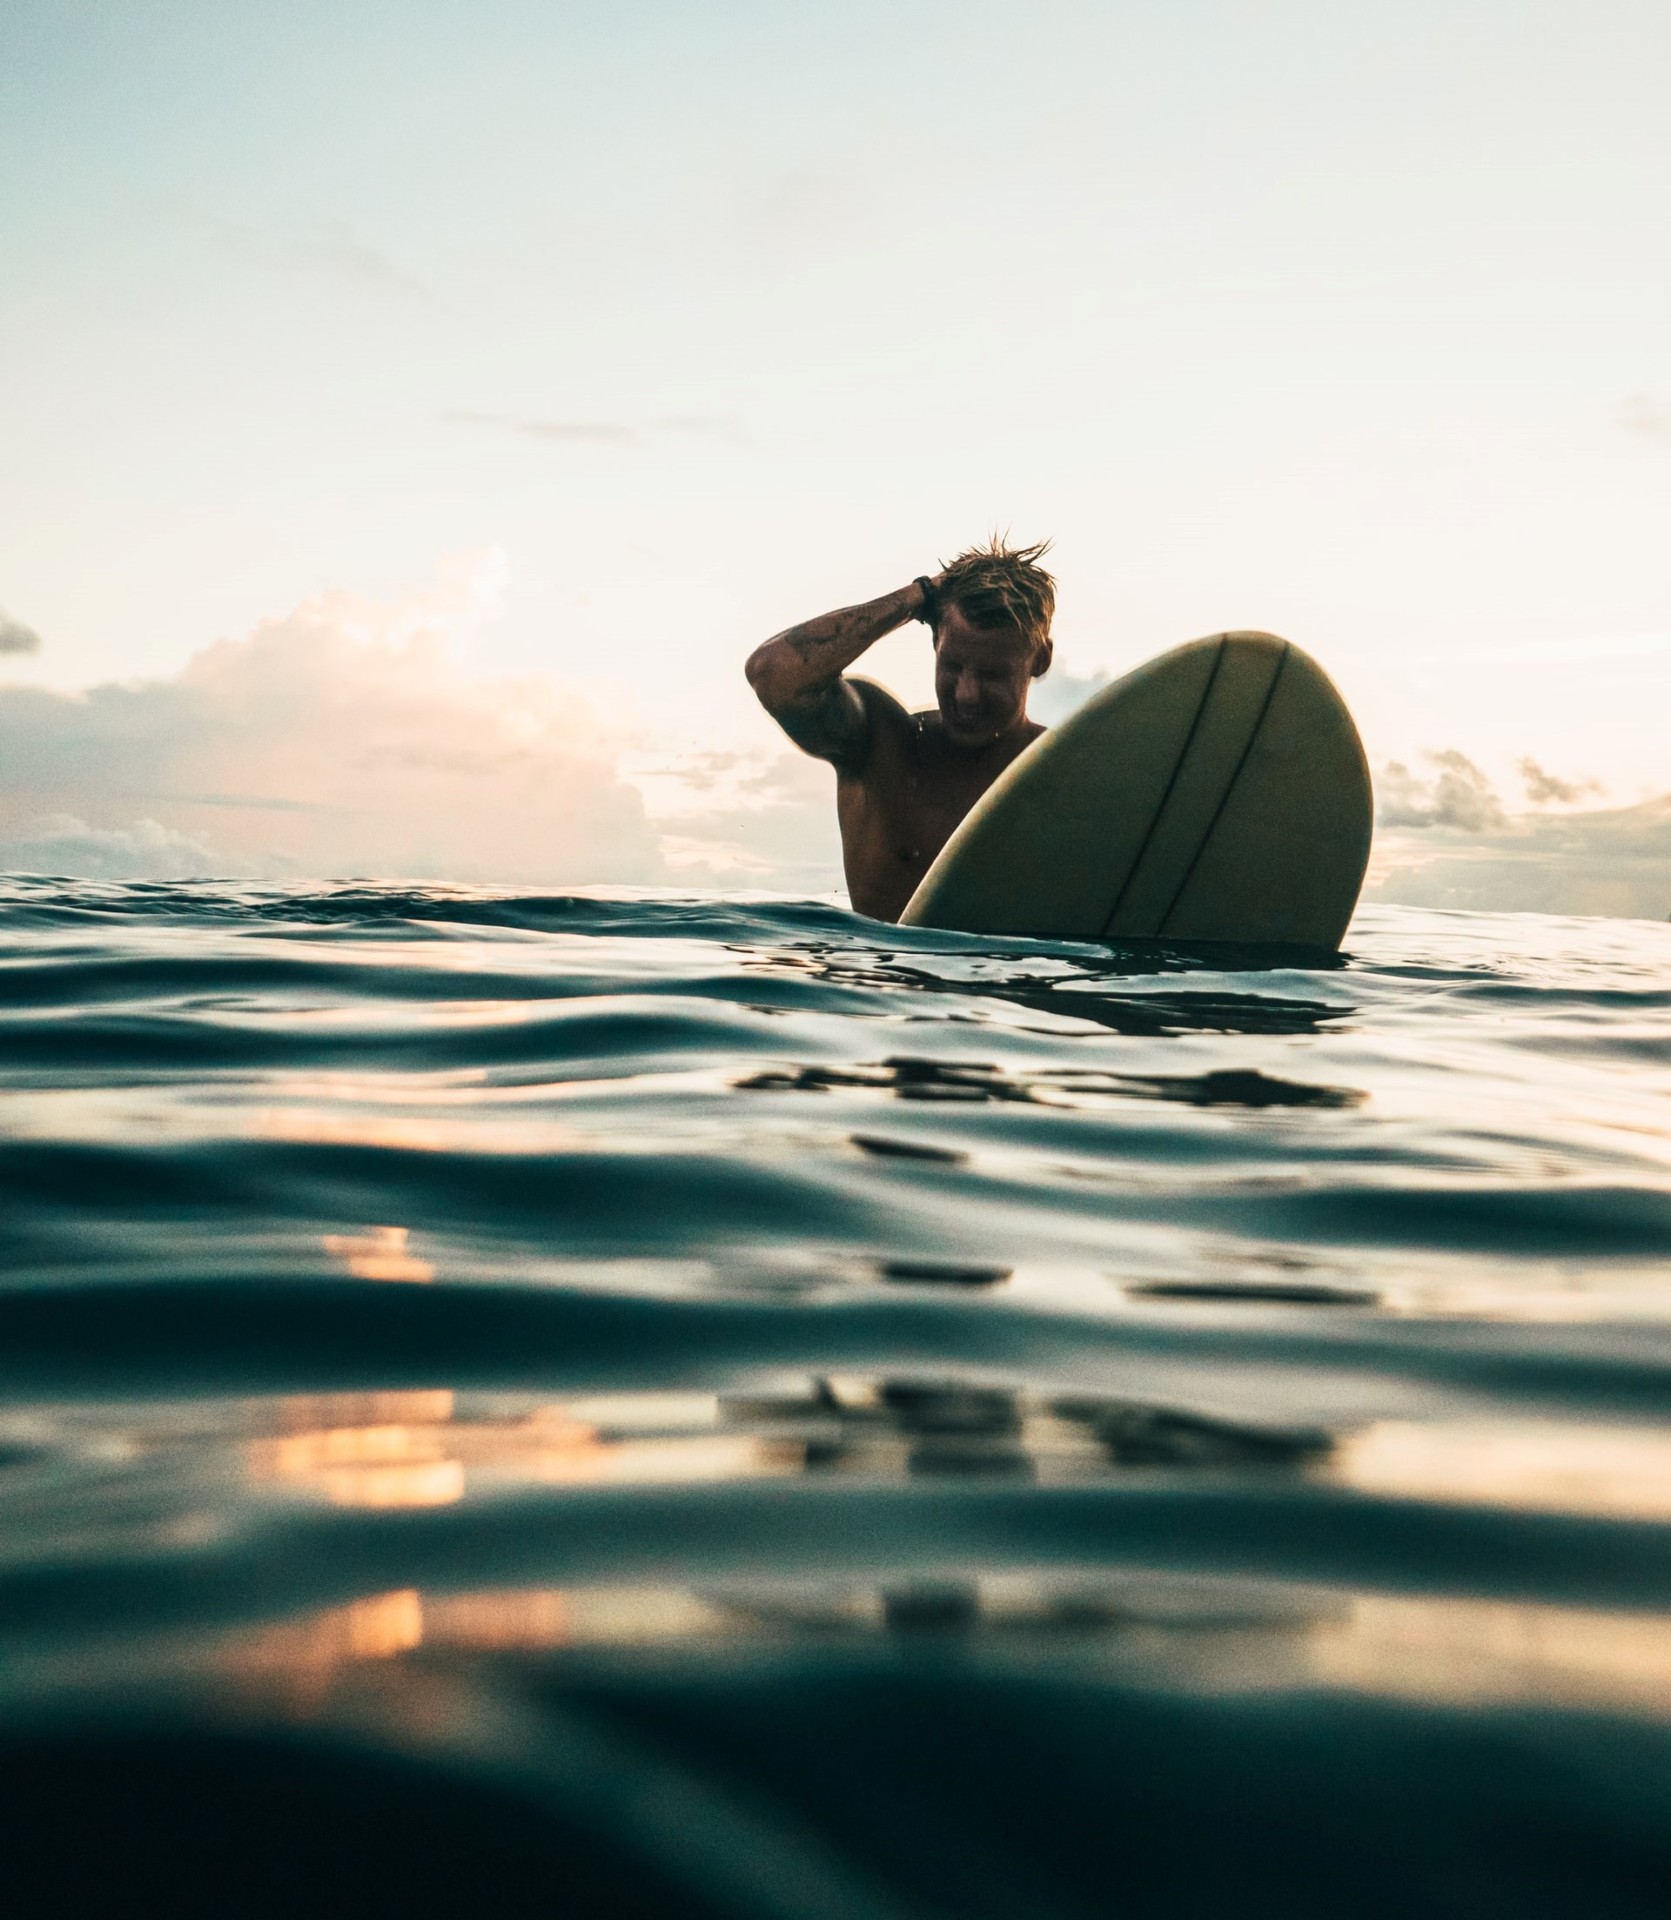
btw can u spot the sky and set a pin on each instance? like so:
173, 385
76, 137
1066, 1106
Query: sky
412, 414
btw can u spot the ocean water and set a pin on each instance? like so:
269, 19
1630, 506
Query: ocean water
614, 1405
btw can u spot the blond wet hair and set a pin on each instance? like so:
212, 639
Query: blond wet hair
997, 585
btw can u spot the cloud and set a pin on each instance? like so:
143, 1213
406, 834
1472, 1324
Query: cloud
61, 844
1544, 789
738, 819
1459, 795
1615, 862
340, 740
15, 637
1061, 693
1449, 841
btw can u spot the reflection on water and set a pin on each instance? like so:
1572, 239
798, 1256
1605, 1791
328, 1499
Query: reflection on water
434, 1448
393, 1465
311, 1651
438, 1447
1077, 989
379, 1253
1473, 1651
1068, 1087
425, 1449
428, 1448
1205, 1634
1549, 1467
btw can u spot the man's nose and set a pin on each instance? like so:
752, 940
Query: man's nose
968, 690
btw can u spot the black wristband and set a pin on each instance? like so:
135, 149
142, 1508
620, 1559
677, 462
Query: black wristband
931, 600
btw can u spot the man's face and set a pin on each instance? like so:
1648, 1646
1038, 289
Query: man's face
981, 677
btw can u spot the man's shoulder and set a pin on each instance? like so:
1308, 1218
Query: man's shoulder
887, 717
888, 733
878, 702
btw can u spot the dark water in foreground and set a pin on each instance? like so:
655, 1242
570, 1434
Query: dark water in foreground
580, 1406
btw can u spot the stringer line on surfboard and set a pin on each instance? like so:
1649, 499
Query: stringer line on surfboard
1230, 787
1166, 794
1208, 761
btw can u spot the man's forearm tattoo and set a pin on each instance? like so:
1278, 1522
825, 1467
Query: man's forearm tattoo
843, 630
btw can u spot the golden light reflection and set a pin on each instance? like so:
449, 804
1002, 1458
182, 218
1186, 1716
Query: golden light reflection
387, 1466
384, 1625
532, 1619
379, 1253
426, 1406
1473, 1651
308, 1651
308, 1656
413, 1450
469, 1131
1544, 1466
364, 1449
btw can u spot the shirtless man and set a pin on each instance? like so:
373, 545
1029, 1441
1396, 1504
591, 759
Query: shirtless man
904, 780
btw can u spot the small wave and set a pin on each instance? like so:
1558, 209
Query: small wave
476, 1328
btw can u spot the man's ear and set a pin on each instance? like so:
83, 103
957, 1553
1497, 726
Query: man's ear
1042, 659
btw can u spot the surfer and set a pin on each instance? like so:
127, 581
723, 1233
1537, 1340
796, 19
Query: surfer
905, 780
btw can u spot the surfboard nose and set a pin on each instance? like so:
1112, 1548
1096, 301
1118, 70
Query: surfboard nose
1217, 793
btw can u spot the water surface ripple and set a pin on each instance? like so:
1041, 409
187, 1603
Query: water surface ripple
788, 1416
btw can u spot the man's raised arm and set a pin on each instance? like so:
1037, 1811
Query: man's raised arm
797, 674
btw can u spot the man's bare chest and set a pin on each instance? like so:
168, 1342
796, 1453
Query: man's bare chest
914, 803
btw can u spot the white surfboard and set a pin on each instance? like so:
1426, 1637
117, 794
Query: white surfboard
1219, 792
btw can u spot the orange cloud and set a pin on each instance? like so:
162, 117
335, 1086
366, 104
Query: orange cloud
341, 740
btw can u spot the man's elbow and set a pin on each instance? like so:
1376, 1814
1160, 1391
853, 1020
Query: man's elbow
763, 670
